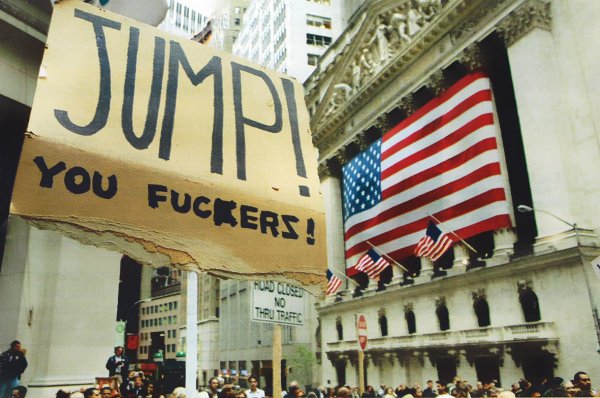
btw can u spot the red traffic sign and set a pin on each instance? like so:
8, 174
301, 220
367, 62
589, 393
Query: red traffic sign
361, 327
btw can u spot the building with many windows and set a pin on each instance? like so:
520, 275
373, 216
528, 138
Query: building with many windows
184, 18
526, 303
226, 23
290, 36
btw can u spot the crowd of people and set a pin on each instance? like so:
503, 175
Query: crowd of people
134, 384
579, 386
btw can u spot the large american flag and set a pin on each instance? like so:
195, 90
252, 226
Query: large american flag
443, 161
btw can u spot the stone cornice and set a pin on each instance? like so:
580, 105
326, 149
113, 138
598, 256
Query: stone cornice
570, 257
531, 14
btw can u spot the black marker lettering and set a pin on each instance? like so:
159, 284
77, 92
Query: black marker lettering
103, 106
247, 220
268, 219
213, 67
48, 174
224, 212
185, 206
154, 196
158, 67
200, 200
111, 189
290, 232
241, 120
71, 180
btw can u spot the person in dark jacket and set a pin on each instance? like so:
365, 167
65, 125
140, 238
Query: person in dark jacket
12, 364
118, 365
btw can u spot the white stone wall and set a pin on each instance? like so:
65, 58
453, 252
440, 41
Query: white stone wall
59, 298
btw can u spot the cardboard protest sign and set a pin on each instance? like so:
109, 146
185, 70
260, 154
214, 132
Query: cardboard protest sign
170, 152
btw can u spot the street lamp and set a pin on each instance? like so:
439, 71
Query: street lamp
529, 209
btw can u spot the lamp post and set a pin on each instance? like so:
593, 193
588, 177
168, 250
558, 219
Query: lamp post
529, 209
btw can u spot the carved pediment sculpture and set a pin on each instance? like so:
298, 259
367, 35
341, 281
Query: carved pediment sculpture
383, 35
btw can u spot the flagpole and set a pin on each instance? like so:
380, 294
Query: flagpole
453, 233
388, 257
345, 277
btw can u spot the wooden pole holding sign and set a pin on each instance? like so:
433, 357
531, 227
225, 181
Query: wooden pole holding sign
276, 360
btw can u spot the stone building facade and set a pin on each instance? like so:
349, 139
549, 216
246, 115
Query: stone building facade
526, 305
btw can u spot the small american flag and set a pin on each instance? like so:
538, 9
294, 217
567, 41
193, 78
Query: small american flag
434, 243
333, 283
372, 264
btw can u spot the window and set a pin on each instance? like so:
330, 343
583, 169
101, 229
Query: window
237, 21
482, 311
530, 305
318, 21
339, 328
313, 59
411, 323
443, 316
317, 40
383, 324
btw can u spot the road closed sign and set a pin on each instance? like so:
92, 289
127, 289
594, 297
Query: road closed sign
278, 302
361, 327
170, 152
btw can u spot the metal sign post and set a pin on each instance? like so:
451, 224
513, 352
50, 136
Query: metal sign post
280, 304
361, 332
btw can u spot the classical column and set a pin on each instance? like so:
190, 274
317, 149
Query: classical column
334, 222
539, 95
504, 240
59, 298
461, 257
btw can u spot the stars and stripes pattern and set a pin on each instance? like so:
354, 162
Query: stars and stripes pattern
333, 283
442, 160
372, 264
434, 244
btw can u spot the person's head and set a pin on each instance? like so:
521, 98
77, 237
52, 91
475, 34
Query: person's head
105, 392
178, 392
119, 350
506, 394
292, 388
137, 381
228, 391
253, 383
240, 394
19, 392
91, 392
343, 392
441, 387
62, 394
15, 345
311, 395
149, 388
583, 381
389, 390
299, 393
213, 384
570, 388
429, 383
